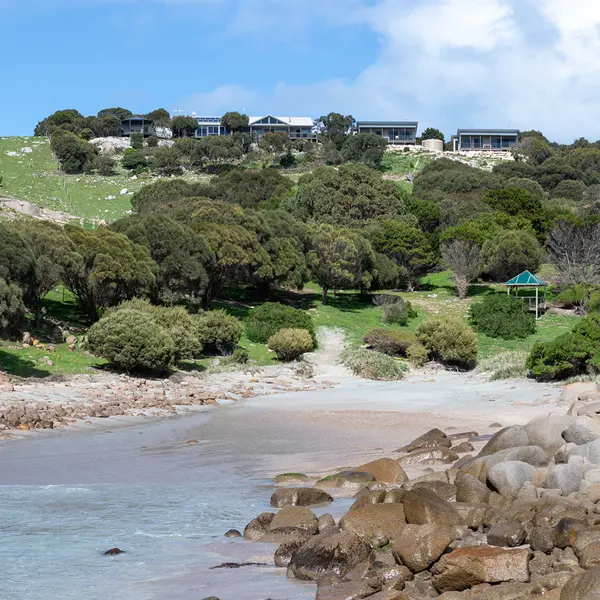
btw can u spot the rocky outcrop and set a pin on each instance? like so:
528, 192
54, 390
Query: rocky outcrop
299, 497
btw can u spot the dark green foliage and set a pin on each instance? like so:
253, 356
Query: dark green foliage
367, 148
509, 253
431, 133
240, 356
275, 142
118, 112
264, 321
112, 269
569, 189
167, 161
160, 117
290, 344
219, 331
484, 227
12, 308
352, 196
108, 126
335, 127
529, 185
398, 313
183, 126
515, 202
133, 160
386, 273
159, 195
450, 341
534, 147
235, 121
152, 141
580, 296
388, 341
287, 160
17, 262
70, 120
137, 140
86, 134
74, 154
132, 340
502, 316
104, 165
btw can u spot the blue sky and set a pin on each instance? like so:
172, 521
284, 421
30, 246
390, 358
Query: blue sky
531, 64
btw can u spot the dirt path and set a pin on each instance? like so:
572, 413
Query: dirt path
10, 207
326, 359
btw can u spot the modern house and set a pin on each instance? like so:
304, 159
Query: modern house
137, 124
494, 140
394, 132
296, 128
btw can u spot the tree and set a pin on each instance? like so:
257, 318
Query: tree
510, 253
118, 112
69, 120
167, 161
235, 121
275, 142
574, 249
12, 308
569, 189
219, 149
112, 269
74, 154
368, 148
431, 133
16, 258
352, 196
160, 117
534, 148
407, 246
133, 160
336, 127
465, 260
53, 253
184, 126
105, 165
182, 256
108, 126
339, 259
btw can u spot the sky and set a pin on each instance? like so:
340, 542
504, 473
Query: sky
526, 64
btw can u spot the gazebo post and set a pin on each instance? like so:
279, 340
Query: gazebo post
537, 303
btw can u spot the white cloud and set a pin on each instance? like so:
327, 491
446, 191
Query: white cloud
451, 63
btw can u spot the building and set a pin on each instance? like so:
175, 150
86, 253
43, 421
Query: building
394, 132
137, 124
493, 140
296, 128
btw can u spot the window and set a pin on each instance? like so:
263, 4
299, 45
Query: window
508, 142
213, 131
465, 142
496, 142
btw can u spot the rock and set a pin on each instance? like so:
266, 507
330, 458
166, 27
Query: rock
389, 595
295, 516
591, 451
335, 553
124, 192
466, 567
71, 339
291, 478
465, 435
394, 496
582, 431
573, 391
547, 432
509, 437
234, 565
368, 497
346, 480
24, 427
589, 409
386, 470
27, 338
463, 448
443, 489
285, 551
469, 489
326, 523
567, 478
419, 546
375, 521
583, 587
423, 507
506, 535
346, 590
258, 527
113, 552
233, 533
590, 556
429, 456
434, 438
580, 538
508, 477
299, 497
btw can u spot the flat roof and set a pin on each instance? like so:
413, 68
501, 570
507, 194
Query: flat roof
414, 124
488, 131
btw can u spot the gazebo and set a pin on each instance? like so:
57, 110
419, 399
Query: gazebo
528, 280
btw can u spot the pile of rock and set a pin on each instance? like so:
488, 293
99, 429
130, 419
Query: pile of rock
518, 521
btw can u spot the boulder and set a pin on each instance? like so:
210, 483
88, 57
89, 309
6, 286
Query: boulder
368, 497
429, 456
465, 567
385, 469
463, 448
506, 535
574, 391
335, 553
591, 451
287, 478
299, 497
295, 516
547, 432
434, 438
258, 527
509, 437
423, 507
508, 477
464, 435
286, 550
346, 480
469, 489
583, 587
346, 590
233, 533
443, 489
567, 478
590, 556
326, 523
375, 521
581, 538
589, 409
419, 546
582, 431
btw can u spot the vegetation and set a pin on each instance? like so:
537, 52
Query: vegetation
290, 344
398, 313
266, 320
502, 316
218, 331
451, 342
370, 364
391, 342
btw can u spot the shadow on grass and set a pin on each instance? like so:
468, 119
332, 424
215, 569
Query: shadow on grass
19, 367
191, 367
67, 311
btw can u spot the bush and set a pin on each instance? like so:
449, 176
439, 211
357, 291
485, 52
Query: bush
132, 340
569, 189
417, 355
133, 160
290, 344
392, 343
398, 313
240, 356
370, 364
581, 296
266, 320
501, 316
152, 141
105, 165
137, 141
451, 342
218, 331
511, 252
506, 365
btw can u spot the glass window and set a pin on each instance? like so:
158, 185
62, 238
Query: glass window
465, 142
496, 142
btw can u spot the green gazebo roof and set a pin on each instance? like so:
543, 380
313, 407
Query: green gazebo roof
526, 278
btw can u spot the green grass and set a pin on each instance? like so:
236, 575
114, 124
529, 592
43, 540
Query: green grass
402, 163
35, 177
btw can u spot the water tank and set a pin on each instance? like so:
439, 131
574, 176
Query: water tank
434, 145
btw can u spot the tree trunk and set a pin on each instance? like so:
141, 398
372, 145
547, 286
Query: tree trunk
324, 295
462, 287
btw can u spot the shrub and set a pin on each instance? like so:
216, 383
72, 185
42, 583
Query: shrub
133, 160
392, 343
370, 364
132, 340
218, 331
581, 296
240, 356
511, 252
417, 355
137, 141
501, 316
152, 141
506, 365
398, 313
86, 134
264, 321
290, 344
452, 341
105, 165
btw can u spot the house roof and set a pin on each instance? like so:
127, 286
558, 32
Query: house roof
488, 132
137, 118
414, 124
291, 121
526, 278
